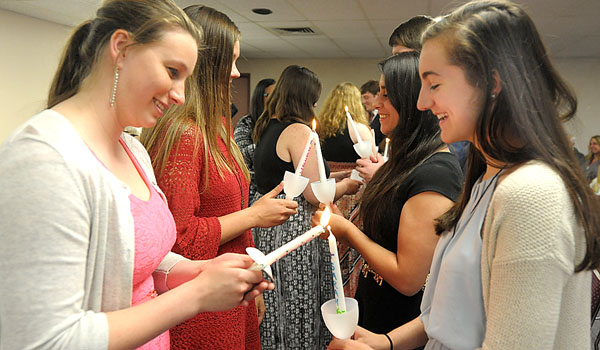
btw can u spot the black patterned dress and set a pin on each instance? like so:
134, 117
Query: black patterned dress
303, 278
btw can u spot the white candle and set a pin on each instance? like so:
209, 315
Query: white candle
387, 146
293, 244
296, 242
304, 156
338, 284
352, 125
320, 164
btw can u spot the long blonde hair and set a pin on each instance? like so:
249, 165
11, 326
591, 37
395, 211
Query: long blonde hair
207, 100
332, 118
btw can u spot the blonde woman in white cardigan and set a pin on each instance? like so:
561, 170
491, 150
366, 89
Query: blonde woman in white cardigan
75, 188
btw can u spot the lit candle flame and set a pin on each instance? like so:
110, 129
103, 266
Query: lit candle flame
387, 140
325, 216
314, 124
346, 108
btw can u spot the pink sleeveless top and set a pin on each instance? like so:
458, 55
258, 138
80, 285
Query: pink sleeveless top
155, 234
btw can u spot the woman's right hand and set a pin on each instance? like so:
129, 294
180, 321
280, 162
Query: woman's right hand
361, 340
225, 282
269, 211
367, 167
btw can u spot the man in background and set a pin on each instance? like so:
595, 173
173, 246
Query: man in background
368, 92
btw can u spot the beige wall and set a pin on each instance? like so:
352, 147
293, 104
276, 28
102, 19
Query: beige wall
30, 52
31, 49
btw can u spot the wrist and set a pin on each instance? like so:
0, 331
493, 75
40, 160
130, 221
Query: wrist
389, 340
251, 217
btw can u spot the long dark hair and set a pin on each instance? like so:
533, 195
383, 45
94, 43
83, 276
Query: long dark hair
492, 38
293, 98
415, 138
257, 105
145, 20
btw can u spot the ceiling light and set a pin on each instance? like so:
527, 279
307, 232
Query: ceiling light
262, 11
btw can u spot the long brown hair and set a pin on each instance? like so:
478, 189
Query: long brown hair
145, 20
207, 100
332, 118
415, 138
491, 38
292, 99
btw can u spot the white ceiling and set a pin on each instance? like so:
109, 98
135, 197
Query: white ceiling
348, 28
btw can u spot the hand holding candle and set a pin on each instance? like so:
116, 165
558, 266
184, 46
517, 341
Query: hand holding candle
263, 262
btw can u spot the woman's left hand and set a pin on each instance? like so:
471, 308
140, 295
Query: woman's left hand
269, 211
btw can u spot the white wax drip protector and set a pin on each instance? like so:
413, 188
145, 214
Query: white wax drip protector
343, 325
293, 184
364, 149
355, 175
324, 191
259, 258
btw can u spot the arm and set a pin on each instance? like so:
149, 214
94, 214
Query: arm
182, 182
407, 269
528, 250
224, 283
409, 336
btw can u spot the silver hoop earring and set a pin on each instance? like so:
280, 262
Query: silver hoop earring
113, 93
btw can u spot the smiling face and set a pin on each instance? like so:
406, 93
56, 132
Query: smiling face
367, 100
388, 115
152, 77
447, 93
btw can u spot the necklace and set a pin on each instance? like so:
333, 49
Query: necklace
492, 181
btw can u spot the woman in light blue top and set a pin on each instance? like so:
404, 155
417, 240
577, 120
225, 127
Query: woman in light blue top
512, 267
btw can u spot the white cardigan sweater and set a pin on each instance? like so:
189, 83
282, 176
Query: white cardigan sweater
66, 239
532, 242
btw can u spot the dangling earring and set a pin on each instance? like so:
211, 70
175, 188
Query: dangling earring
493, 95
113, 94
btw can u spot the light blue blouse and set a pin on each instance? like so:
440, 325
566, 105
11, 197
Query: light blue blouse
452, 306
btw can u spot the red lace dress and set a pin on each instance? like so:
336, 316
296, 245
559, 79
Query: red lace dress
196, 215
154, 237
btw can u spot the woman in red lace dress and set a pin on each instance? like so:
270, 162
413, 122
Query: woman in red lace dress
203, 174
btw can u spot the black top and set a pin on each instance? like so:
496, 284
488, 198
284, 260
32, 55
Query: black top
268, 167
340, 148
382, 308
